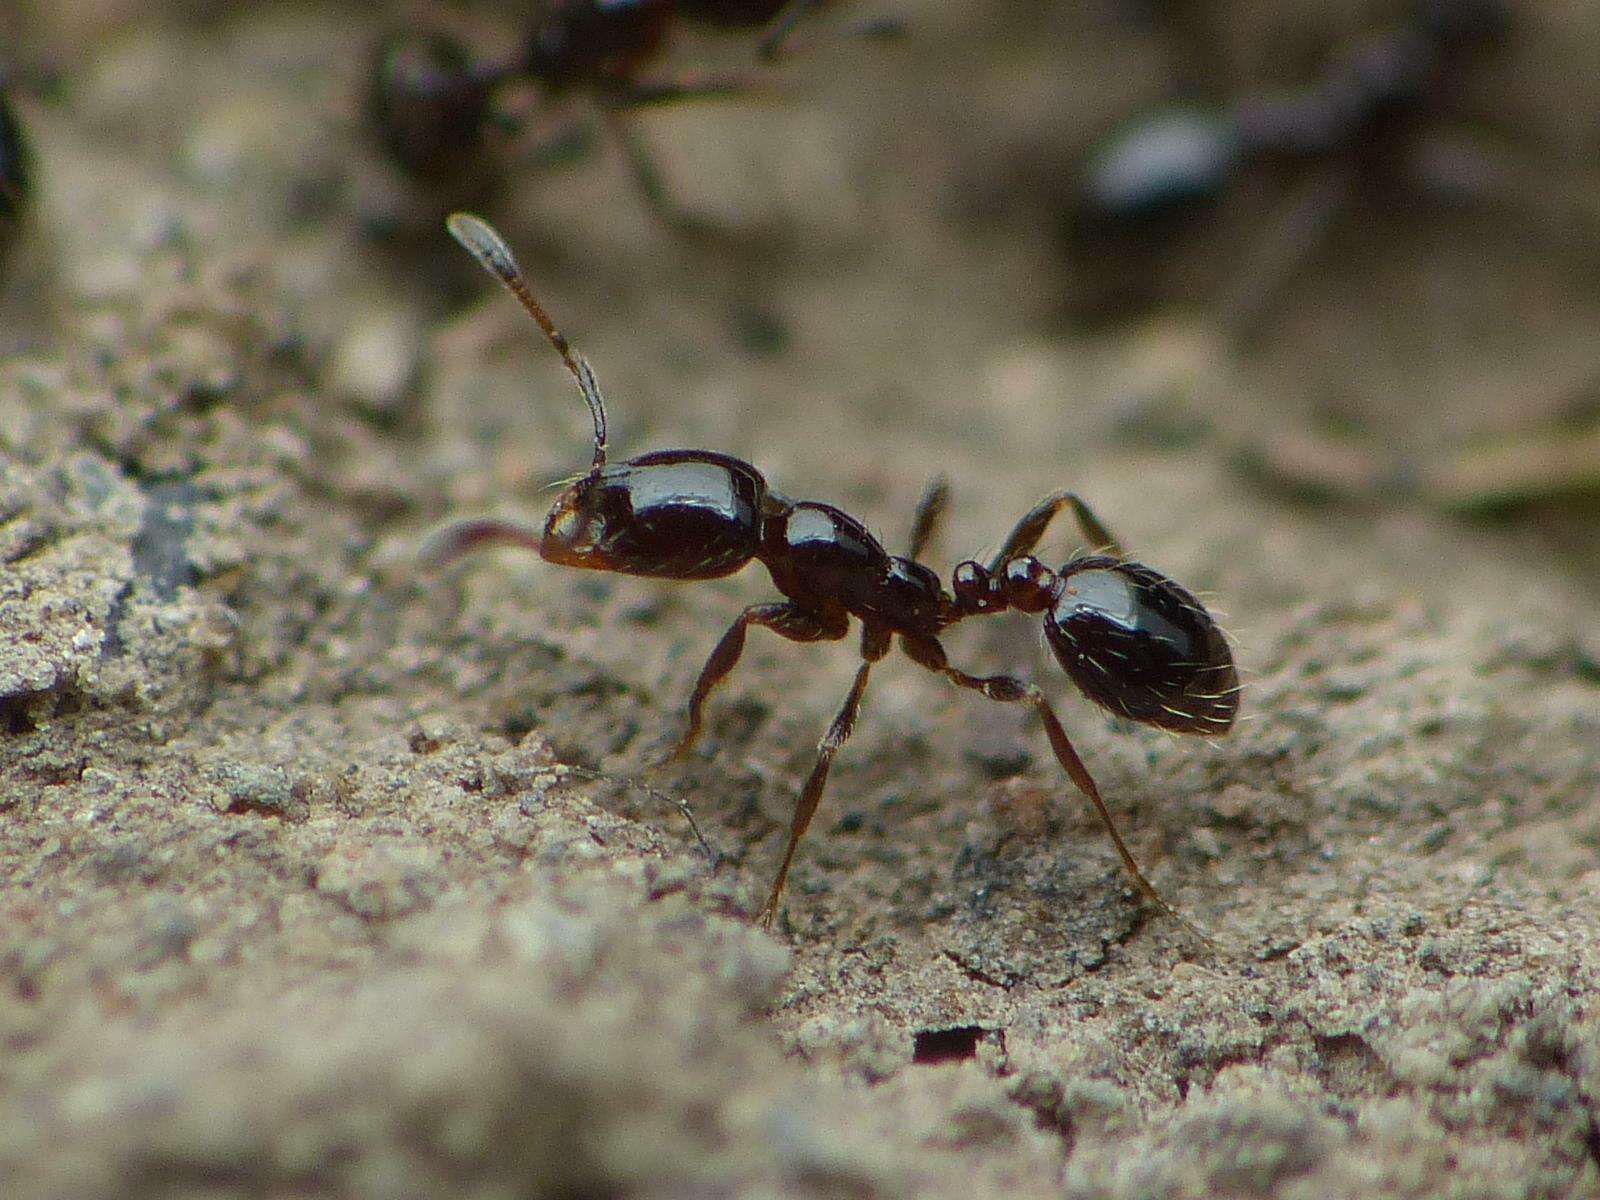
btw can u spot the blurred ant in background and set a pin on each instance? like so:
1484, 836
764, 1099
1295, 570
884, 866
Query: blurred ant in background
1158, 175
435, 108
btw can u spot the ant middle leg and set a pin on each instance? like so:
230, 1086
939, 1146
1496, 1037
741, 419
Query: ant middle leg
1025, 535
1007, 689
874, 645
786, 620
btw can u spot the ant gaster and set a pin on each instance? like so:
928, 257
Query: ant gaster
1132, 640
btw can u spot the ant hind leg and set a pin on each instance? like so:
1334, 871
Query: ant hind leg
1025, 535
1007, 689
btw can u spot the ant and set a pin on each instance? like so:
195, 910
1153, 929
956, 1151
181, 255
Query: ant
1160, 172
433, 105
15, 167
1132, 640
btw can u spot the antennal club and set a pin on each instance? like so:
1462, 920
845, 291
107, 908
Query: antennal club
480, 239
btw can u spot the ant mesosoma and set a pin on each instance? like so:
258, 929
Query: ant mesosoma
1132, 640
1157, 174
433, 105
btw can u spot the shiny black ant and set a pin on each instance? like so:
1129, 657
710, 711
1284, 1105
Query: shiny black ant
1132, 640
15, 168
434, 106
1159, 173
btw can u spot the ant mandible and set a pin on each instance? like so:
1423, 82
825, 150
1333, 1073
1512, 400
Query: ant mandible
1132, 640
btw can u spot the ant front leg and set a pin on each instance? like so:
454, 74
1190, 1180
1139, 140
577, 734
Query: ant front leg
786, 620
1007, 689
1027, 532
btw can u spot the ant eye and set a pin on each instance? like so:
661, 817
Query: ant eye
1142, 647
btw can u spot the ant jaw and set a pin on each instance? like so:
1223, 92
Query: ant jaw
573, 532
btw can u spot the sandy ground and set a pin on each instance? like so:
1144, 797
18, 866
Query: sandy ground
296, 898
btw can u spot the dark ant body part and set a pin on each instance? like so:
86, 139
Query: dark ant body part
16, 168
429, 102
434, 107
1132, 640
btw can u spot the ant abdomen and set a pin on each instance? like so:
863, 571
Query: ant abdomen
1142, 647
673, 514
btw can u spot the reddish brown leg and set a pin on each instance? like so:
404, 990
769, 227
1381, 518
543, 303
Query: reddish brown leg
1010, 690
786, 620
874, 645
1027, 532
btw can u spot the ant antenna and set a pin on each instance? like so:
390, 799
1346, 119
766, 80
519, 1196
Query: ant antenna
566, 770
479, 239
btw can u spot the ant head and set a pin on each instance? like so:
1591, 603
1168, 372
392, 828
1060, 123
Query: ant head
576, 531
